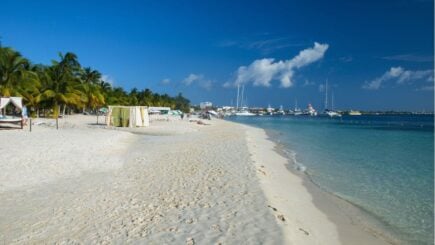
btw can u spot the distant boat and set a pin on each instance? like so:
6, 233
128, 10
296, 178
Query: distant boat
281, 111
310, 111
332, 113
354, 113
297, 111
244, 113
269, 110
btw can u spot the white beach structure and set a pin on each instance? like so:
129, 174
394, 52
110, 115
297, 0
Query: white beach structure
159, 110
18, 103
128, 116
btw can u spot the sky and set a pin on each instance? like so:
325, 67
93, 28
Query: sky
375, 55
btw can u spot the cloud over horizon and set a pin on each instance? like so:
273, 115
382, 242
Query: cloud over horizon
400, 76
198, 79
166, 81
262, 72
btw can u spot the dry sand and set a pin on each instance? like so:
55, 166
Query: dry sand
174, 182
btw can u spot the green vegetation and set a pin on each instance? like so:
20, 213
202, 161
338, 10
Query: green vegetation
65, 86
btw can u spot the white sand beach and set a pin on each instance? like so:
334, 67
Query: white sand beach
172, 183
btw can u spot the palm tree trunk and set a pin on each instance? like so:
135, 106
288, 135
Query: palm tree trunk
63, 111
56, 110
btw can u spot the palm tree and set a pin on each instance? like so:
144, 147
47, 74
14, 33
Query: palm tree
117, 96
93, 95
91, 88
62, 84
90, 76
13, 71
65, 83
32, 92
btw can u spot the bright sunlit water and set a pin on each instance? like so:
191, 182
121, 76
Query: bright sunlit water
382, 164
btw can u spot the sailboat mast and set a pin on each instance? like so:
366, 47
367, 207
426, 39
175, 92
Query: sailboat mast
243, 91
332, 100
326, 95
237, 103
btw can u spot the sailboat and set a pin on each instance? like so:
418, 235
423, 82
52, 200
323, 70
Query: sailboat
243, 111
330, 113
281, 111
269, 110
297, 111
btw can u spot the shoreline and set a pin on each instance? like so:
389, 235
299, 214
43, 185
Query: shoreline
348, 227
357, 216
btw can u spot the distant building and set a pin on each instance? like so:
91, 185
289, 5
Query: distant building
205, 105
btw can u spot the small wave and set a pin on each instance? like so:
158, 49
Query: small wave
296, 165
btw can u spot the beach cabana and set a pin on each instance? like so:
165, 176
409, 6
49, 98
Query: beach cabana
127, 116
18, 103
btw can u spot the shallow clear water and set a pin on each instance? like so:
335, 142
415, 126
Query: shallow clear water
382, 164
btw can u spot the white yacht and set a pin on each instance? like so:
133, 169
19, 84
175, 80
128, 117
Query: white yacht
332, 113
269, 110
354, 113
297, 111
281, 111
310, 111
244, 112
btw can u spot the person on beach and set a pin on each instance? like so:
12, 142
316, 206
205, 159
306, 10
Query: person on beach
24, 115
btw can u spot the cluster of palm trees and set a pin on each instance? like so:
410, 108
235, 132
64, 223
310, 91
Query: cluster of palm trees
65, 86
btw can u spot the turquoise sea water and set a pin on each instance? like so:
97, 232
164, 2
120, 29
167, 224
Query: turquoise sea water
382, 164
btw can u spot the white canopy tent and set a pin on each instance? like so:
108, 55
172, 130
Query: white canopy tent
137, 116
17, 101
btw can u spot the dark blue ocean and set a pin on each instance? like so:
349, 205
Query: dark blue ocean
382, 164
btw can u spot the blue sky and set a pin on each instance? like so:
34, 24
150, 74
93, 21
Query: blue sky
374, 54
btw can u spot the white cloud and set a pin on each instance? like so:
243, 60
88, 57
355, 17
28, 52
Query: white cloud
426, 88
399, 75
308, 83
192, 78
108, 79
228, 85
346, 59
199, 79
166, 81
261, 72
206, 84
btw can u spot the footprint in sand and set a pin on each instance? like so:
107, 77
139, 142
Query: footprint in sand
261, 171
306, 232
274, 209
281, 217
190, 241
